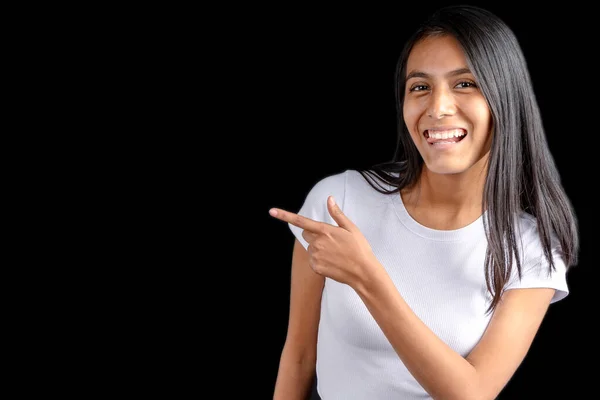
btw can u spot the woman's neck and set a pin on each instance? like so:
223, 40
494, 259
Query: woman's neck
446, 201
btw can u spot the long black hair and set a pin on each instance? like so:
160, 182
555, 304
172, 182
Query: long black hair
522, 176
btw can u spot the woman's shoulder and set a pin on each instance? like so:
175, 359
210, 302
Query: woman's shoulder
331, 184
529, 236
348, 178
345, 186
528, 227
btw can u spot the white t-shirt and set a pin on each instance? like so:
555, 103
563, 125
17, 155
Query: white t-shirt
440, 274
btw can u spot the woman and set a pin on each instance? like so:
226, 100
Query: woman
429, 276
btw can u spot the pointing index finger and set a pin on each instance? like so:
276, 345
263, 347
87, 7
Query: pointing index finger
296, 220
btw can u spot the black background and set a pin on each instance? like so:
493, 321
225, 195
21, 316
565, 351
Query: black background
313, 94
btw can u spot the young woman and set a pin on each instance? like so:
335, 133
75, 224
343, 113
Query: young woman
429, 276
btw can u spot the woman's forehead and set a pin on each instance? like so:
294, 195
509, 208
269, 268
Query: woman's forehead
437, 55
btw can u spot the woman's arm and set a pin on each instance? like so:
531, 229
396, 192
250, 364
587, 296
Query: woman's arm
444, 373
298, 358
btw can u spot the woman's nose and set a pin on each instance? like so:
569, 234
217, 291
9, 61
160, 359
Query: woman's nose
441, 104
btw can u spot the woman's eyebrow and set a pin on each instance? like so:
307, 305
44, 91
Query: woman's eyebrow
420, 74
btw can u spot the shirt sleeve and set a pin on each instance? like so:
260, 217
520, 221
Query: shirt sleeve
315, 203
536, 272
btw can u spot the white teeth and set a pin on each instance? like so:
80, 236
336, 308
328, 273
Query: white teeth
447, 134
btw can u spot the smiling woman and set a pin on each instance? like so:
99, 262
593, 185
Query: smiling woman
428, 276
445, 112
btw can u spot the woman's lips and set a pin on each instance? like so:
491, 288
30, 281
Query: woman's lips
443, 136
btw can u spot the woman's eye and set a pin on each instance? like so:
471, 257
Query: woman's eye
466, 84
418, 88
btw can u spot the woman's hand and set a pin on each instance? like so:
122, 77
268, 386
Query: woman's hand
338, 252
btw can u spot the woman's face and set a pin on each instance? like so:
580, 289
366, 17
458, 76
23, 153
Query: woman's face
446, 114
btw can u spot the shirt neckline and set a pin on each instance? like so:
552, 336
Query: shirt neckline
474, 228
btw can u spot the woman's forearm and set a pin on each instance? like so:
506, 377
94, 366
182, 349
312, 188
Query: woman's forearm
441, 371
295, 377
